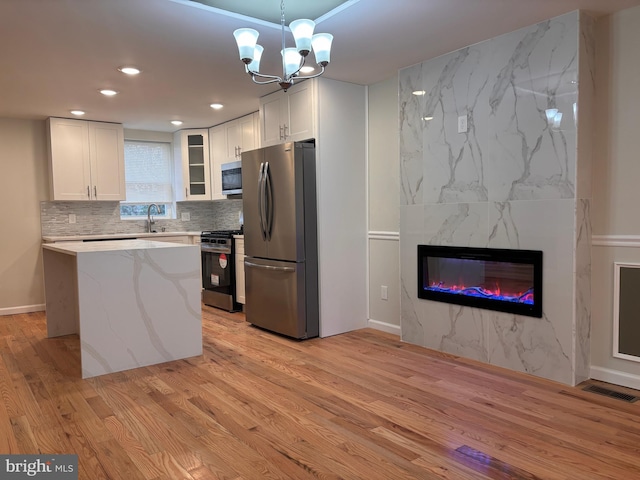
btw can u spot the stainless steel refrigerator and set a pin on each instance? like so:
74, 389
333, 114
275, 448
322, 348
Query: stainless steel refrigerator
280, 239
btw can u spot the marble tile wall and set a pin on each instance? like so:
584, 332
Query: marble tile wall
94, 218
510, 181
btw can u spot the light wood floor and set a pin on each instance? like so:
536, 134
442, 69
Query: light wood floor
258, 406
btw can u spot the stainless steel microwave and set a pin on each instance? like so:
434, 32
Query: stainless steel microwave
232, 178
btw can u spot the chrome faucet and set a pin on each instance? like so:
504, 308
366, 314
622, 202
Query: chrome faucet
150, 220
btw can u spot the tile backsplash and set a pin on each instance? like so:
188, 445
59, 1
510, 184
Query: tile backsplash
95, 218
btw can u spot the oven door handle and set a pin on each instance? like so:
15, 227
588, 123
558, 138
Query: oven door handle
208, 249
269, 267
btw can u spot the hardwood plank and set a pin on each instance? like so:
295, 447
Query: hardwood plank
361, 405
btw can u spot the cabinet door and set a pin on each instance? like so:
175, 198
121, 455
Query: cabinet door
271, 115
69, 167
196, 176
106, 148
218, 155
233, 140
176, 239
247, 129
300, 125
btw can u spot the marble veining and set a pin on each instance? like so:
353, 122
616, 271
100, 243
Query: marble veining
512, 180
137, 301
582, 332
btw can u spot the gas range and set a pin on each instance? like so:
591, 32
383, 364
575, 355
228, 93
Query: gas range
218, 240
218, 269
220, 233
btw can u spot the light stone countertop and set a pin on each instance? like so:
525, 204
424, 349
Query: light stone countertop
132, 302
73, 238
73, 248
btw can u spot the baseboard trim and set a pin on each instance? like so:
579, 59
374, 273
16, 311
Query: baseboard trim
615, 377
22, 309
384, 326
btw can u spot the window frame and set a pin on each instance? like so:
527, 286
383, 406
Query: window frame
170, 206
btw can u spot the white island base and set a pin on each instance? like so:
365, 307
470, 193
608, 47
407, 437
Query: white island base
132, 302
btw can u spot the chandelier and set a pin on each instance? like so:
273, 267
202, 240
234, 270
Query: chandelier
293, 59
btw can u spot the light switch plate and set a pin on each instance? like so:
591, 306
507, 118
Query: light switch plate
72, 218
185, 216
384, 292
462, 124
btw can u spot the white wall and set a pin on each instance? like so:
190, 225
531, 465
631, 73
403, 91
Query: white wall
383, 194
616, 173
23, 185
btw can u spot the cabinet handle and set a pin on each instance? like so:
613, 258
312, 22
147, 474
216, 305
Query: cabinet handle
186, 192
239, 151
88, 192
95, 192
286, 133
281, 134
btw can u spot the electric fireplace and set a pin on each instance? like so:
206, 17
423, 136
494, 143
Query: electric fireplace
496, 279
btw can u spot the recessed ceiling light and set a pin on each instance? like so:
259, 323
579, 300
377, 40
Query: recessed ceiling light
216, 106
77, 112
176, 122
426, 119
307, 69
108, 92
130, 70
419, 92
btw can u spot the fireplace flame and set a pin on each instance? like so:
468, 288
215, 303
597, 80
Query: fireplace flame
495, 294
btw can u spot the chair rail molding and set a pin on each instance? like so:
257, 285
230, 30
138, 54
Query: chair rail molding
382, 235
615, 241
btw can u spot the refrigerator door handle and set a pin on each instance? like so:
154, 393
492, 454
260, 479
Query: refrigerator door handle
261, 201
269, 267
268, 200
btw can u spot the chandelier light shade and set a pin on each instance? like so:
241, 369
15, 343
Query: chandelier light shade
302, 31
293, 59
246, 39
322, 47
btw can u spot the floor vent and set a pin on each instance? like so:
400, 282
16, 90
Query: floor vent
611, 393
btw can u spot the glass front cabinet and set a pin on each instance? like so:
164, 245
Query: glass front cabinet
193, 178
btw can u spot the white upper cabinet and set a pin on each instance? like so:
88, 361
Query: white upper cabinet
86, 160
227, 141
192, 165
288, 116
218, 151
241, 136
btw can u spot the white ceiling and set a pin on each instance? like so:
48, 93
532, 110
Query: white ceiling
56, 54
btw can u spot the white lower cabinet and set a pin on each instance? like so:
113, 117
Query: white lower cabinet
240, 294
180, 239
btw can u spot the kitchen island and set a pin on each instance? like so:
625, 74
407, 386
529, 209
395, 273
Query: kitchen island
132, 302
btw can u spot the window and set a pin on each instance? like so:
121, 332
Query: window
149, 179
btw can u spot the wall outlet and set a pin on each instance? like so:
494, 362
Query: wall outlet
462, 124
185, 216
384, 292
72, 218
